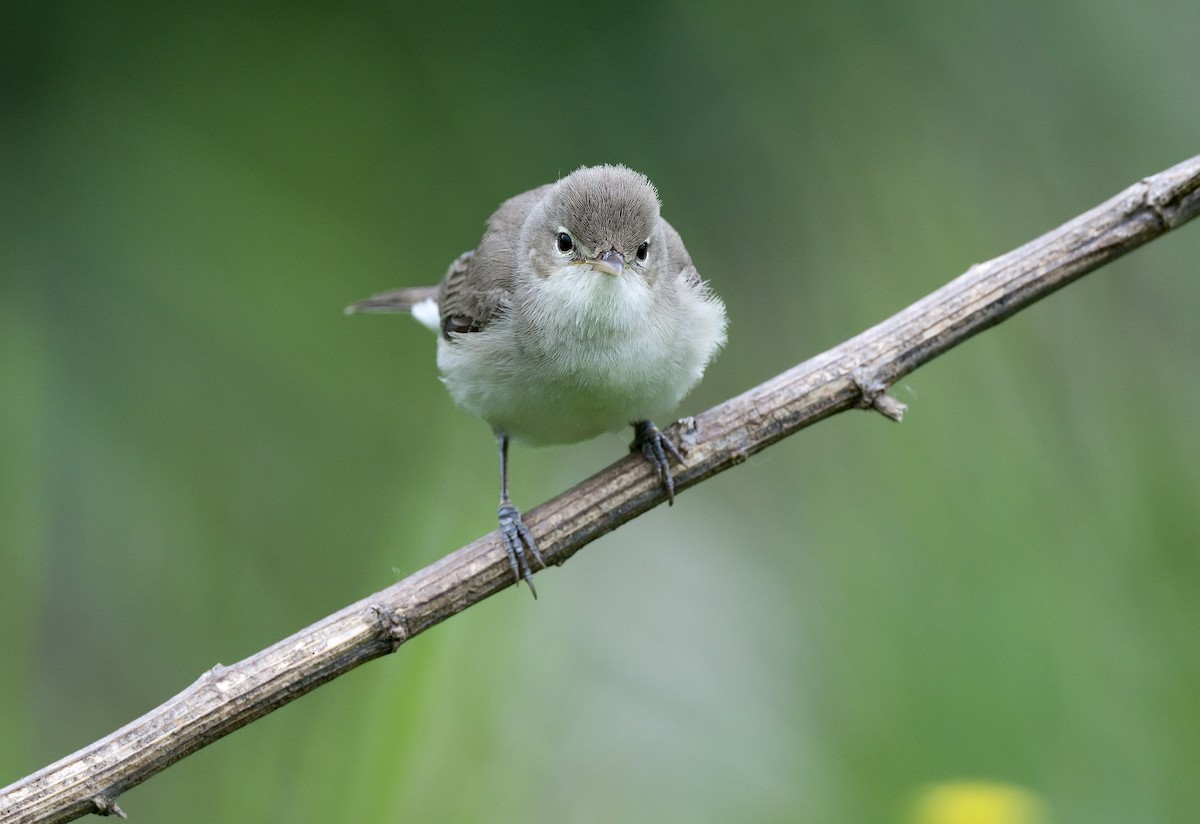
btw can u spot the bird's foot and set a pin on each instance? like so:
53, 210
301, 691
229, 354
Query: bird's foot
519, 544
658, 450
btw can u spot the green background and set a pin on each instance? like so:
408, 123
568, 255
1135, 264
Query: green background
199, 454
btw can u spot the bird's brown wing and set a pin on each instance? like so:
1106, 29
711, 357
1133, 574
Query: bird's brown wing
463, 307
478, 284
680, 261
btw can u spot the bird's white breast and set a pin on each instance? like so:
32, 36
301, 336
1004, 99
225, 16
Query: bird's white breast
584, 353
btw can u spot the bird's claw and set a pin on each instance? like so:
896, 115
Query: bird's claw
659, 450
519, 545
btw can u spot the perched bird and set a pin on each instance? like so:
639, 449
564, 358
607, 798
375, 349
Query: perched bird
579, 313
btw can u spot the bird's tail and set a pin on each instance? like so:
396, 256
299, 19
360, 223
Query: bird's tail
420, 301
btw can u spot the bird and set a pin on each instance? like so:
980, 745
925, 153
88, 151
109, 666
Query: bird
580, 312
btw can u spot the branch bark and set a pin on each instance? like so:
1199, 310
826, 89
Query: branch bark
855, 374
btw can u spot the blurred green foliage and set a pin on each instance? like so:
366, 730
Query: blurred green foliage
199, 454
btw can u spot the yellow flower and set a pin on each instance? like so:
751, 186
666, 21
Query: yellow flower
978, 802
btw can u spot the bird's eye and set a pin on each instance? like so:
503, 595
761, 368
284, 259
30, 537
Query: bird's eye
565, 244
643, 250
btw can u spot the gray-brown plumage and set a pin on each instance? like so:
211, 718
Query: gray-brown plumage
579, 312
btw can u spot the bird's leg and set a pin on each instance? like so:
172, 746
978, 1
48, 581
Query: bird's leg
518, 540
658, 450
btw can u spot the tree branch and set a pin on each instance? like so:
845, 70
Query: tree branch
855, 374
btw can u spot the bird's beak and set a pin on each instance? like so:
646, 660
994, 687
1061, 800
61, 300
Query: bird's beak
610, 263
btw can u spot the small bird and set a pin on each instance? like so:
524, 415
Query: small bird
579, 313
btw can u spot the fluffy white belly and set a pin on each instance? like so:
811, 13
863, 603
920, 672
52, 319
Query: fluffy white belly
542, 399
599, 365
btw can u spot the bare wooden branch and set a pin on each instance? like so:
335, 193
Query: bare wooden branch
855, 374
